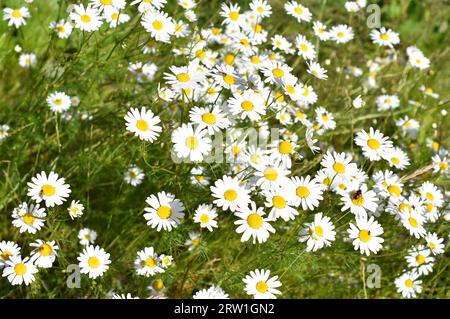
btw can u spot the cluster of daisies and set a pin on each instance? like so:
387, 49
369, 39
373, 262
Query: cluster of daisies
237, 82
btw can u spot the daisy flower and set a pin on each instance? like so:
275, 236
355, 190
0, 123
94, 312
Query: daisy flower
305, 48
413, 222
123, 296
360, 201
341, 33
62, 28
408, 284
280, 201
318, 234
206, 216
306, 192
397, 158
184, 77
214, 292
165, 211
213, 119
147, 262
374, 144
3, 131
316, 70
274, 72
194, 241
320, 31
76, 209
338, 165
417, 59
230, 194
86, 19
59, 102
231, 14
420, 260
435, 244
247, 105
8, 249
16, 17
51, 189
27, 60
19, 271
87, 236
93, 261
157, 287
431, 194
301, 13
441, 162
28, 218
143, 123
134, 175
225, 76
260, 285
149, 5
252, 223
325, 118
44, 254
159, 25
385, 37
114, 16
108, 4
261, 8
428, 92
271, 173
365, 235
191, 142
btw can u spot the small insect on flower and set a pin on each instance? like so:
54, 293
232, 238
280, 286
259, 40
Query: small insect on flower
260, 285
19, 271
143, 123
50, 189
94, 261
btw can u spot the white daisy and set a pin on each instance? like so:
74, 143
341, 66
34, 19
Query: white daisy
28, 218
260, 285
230, 194
252, 223
51, 189
19, 271
165, 211
191, 142
8, 249
318, 234
44, 254
87, 236
59, 102
147, 262
93, 261
206, 216
143, 123
365, 235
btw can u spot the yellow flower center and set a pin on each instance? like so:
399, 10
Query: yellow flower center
204, 218
230, 195
20, 269
142, 125
358, 199
373, 144
229, 79
106, 2
298, 10
278, 202
394, 190
247, 106
183, 77
270, 173
443, 166
164, 212
303, 47
409, 283
262, 286
85, 18
278, 73
318, 230
229, 59
115, 16
191, 142
48, 190
200, 54
93, 262
420, 259
157, 25
158, 285
302, 191
384, 36
45, 250
340, 34
255, 221
234, 15
5, 255
150, 262
16, 13
285, 147
429, 196
28, 219
403, 207
364, 235
395, 160
413, 222
339, 168
429, 207
209, 118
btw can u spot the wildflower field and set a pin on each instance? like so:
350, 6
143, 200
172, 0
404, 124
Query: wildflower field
224, 149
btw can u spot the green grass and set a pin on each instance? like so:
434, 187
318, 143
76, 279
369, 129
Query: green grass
93, 155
